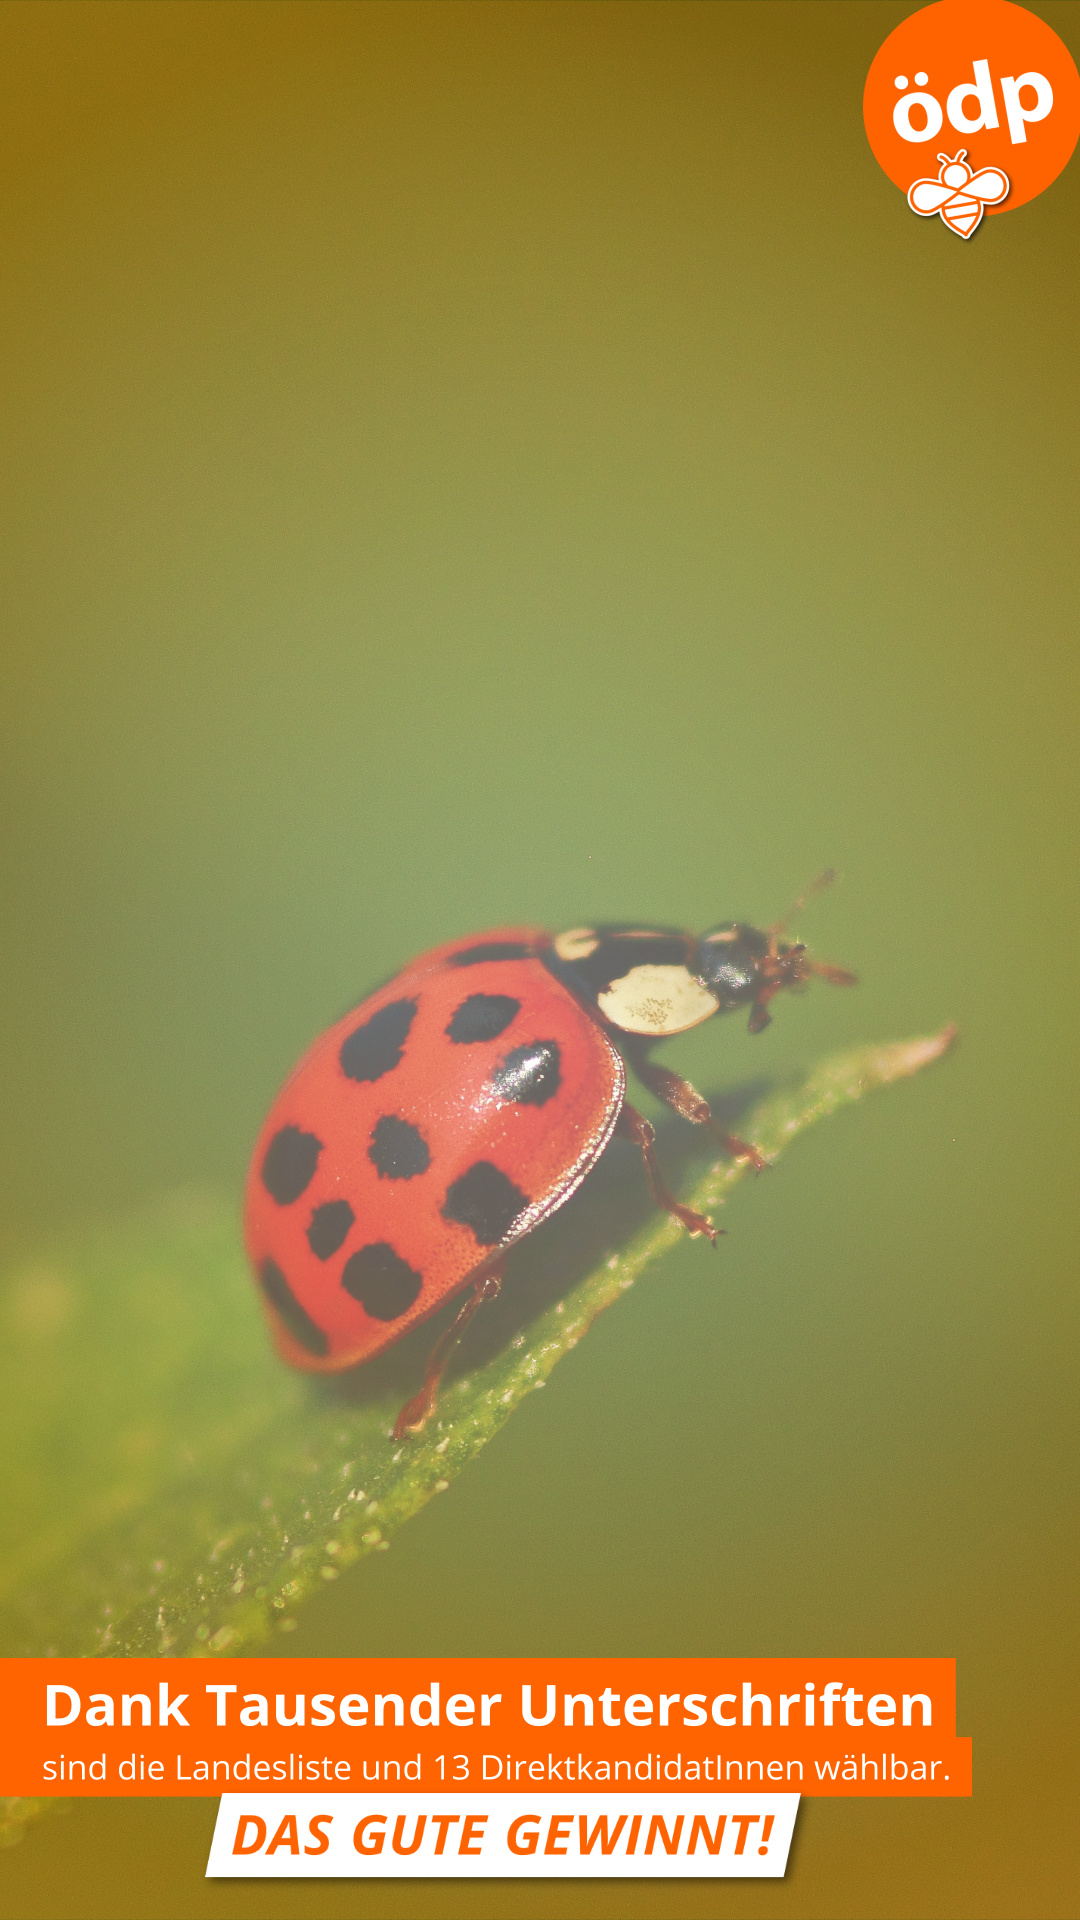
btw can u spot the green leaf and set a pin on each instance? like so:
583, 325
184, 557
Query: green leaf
172, 1488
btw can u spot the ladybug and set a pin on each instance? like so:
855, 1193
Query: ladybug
455, 1108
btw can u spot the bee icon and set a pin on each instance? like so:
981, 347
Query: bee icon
958, 194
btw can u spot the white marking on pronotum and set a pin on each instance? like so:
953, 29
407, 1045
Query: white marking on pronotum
577, 944
657, 1000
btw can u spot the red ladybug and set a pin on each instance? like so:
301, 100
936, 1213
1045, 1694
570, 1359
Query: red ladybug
458, 1106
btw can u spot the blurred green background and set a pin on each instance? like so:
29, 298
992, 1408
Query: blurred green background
477, 462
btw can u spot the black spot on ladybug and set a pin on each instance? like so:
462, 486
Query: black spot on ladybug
491, 950
529, 1075
377, 1046
398, 1149
287, 1306
329, 1228
483, 1016
383, 1283
288, 1164
485, 1200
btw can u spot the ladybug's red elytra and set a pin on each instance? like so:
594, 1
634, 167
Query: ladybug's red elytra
454, 1109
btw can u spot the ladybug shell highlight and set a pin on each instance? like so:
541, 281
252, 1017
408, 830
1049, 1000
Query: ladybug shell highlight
433, 1126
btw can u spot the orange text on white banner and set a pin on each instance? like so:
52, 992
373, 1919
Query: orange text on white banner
504, 1836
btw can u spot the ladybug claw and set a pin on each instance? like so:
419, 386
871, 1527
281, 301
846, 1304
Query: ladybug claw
415, 1413
696, 1223
757, 1160
742, 1150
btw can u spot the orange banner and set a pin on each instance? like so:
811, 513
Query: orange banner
212, 1726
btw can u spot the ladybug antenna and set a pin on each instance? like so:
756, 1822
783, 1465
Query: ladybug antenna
826, 879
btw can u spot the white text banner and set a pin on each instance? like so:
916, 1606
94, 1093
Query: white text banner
502, 1835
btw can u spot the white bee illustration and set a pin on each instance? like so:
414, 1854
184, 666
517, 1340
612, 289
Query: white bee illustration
958, 194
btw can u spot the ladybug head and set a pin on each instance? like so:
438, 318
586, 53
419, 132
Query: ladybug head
748, 966
744, 967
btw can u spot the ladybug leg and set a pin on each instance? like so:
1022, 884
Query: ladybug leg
687, 1102
632, 1125
420, 1408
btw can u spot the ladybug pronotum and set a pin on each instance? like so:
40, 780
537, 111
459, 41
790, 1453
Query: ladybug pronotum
454, 1109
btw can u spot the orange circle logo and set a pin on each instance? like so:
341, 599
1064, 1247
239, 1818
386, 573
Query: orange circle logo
972, 107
